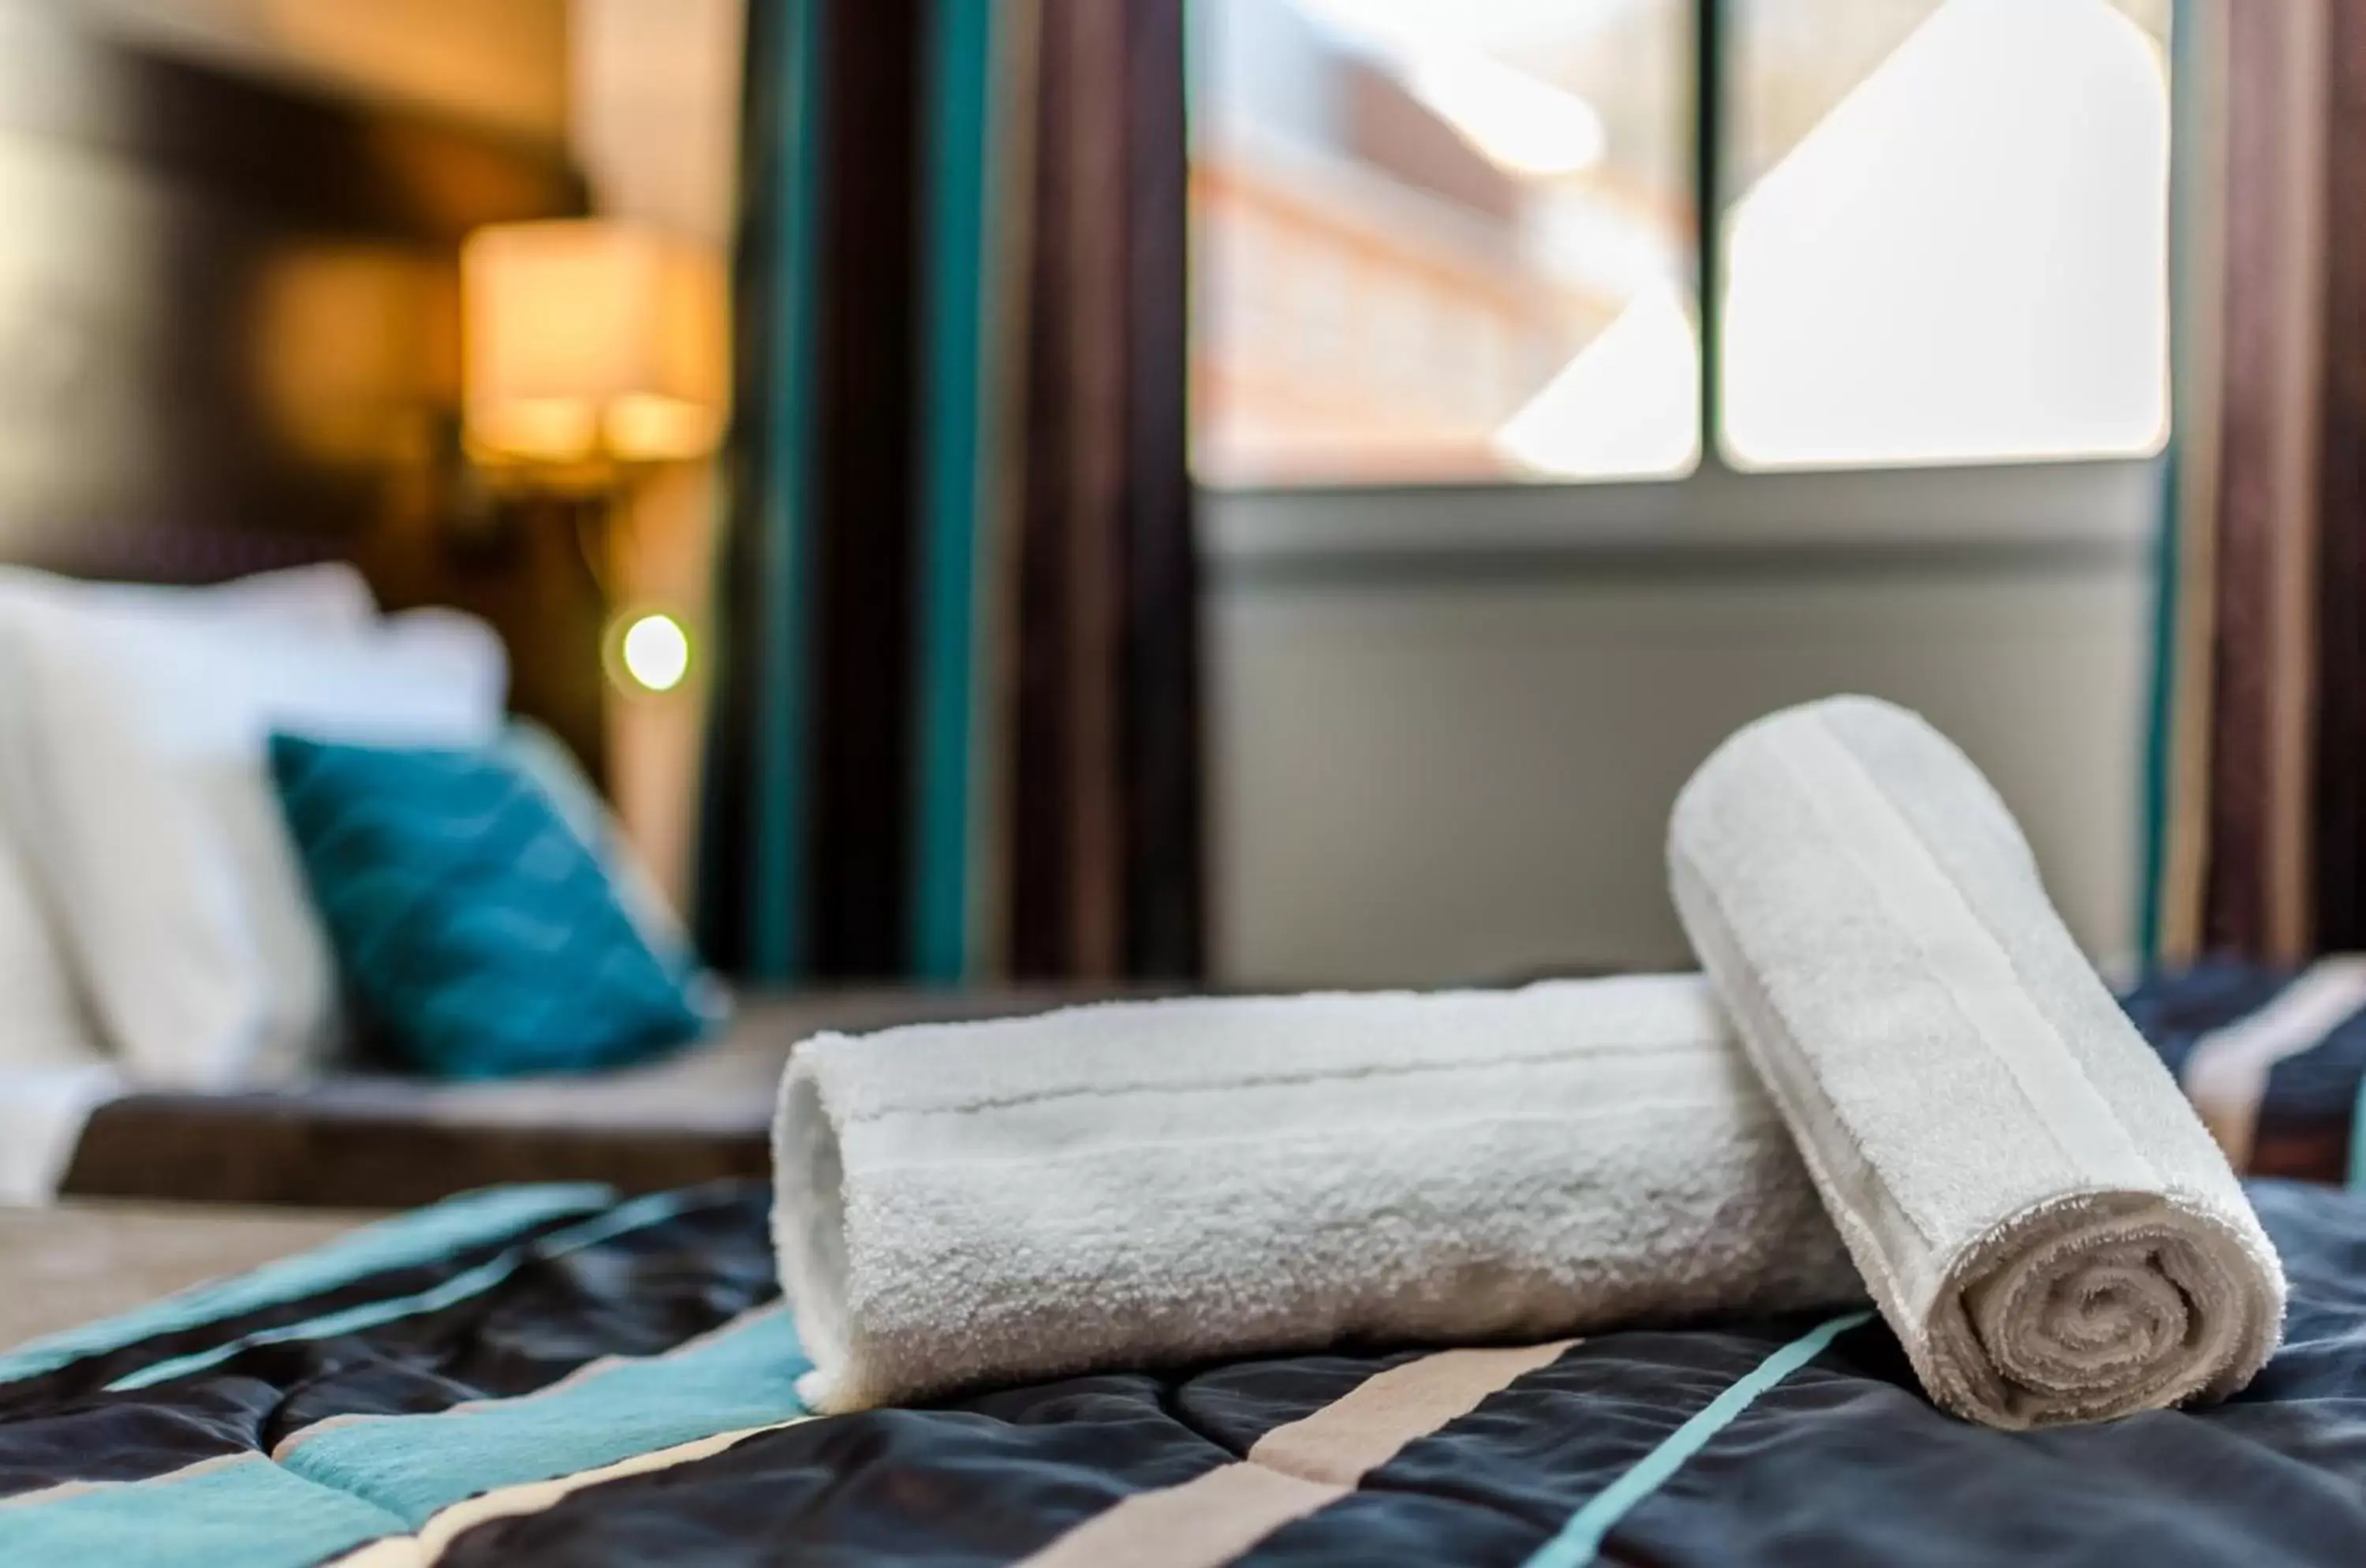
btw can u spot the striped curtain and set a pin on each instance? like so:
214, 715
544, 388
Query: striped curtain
1104, 820
2260, 847
956, 730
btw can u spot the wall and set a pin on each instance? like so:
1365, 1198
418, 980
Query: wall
499, 62
1444, 747
644, 94
655, 89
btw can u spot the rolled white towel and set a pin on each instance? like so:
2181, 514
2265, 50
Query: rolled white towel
2038, 1212
1145, 1183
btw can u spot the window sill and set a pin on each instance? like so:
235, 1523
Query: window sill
2096, 515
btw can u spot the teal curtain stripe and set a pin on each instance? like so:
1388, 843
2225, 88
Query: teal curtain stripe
1581, 1539
413, 1466
1711, 39
962, 156
622, 1219
245, 1510
777, 938
406, 1241
2160, 708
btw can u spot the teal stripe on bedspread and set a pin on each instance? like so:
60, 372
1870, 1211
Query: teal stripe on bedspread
403, 1242
2358, 1140
347, 1480
605, 1226
244, 1510
1581, 1539
741, 1375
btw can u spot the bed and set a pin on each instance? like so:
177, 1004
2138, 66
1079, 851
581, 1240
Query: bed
382, 1140
233, 328
2296, 1042
357, 217
221, 317
558, 1375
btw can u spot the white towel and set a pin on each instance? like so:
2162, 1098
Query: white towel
1146, 1183
2039, 1213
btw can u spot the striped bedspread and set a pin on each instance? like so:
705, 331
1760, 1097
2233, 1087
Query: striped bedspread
2273, 1059
550, 1375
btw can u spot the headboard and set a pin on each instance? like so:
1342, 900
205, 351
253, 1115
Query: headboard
229, 338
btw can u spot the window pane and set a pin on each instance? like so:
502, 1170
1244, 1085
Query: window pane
1441, 239
1948, 240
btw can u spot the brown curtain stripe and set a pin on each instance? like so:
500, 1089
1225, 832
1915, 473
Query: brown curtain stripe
2337, 867
2265, 843
2255, 897
1105, 786
1161, 742
866, 458
1067, 880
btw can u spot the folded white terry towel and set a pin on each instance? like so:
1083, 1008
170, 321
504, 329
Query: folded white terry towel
2039, 1213
1151, 1182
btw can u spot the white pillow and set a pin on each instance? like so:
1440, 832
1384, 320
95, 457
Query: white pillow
43, 1112
331, 593
154, 828
44, 1023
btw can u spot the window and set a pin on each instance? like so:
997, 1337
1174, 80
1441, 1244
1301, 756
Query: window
1454, 241
1472, 219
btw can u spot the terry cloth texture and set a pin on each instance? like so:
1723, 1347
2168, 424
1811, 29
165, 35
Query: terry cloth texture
1154, 1183
2040, 1215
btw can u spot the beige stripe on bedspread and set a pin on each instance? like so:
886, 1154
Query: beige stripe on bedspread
427, 1547
1293, 1469
1289, 1472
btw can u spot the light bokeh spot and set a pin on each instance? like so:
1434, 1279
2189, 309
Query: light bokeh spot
655, 651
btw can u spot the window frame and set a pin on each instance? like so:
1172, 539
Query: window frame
2077, 510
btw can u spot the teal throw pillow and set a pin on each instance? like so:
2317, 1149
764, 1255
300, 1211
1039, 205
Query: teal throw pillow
476, 930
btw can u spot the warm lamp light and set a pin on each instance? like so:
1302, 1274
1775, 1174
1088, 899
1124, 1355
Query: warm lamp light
655, 651
589, 342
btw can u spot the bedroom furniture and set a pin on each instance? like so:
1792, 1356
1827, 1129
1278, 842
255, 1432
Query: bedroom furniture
590, 345
560, 1379
140, 792
593, 351
235, 345
374, 1139
233, 337
377, 1139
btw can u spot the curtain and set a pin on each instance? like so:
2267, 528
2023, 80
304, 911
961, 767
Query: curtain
754, 813
1105, 836
2260, 842
956, 733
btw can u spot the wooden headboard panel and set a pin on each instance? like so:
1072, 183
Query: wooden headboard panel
229, 338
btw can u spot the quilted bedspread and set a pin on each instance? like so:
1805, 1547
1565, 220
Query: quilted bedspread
551, 1375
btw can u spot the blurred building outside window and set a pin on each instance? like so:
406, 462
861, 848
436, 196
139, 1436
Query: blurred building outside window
1453, 240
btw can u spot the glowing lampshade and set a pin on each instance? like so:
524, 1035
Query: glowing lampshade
587, 340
